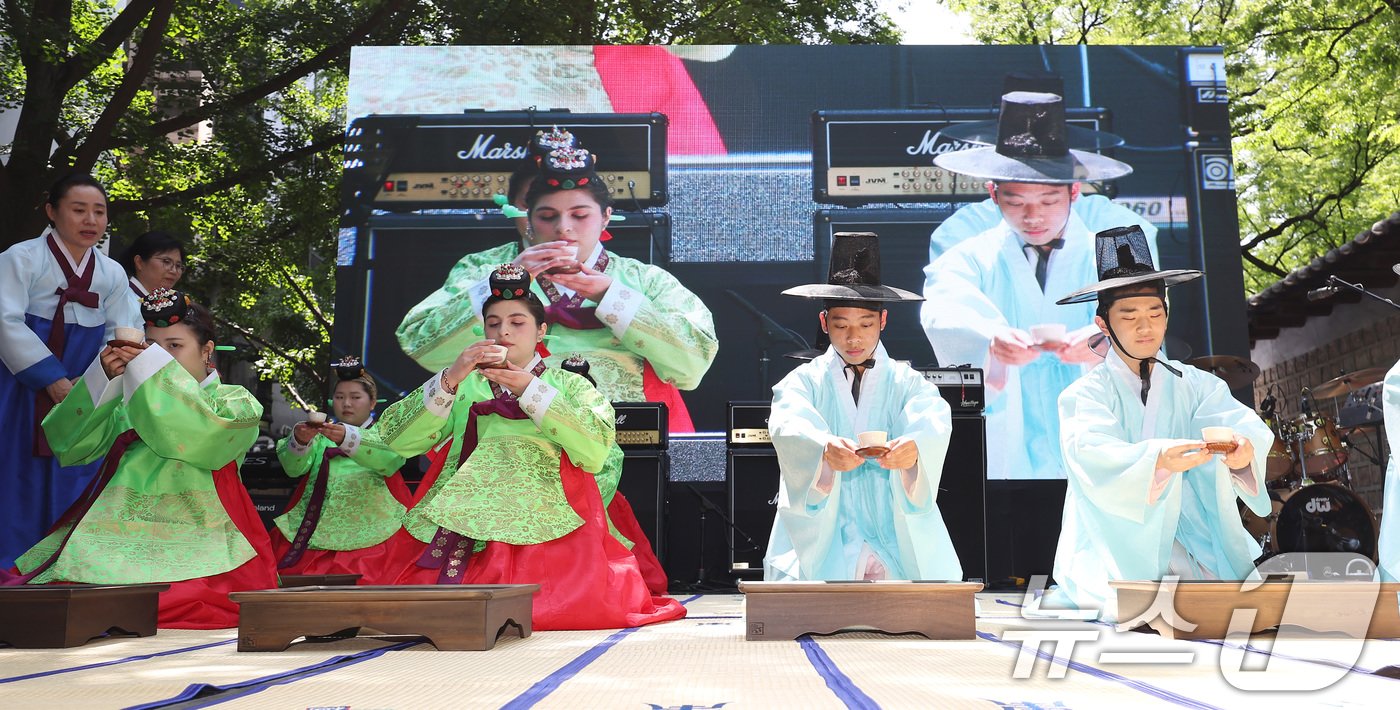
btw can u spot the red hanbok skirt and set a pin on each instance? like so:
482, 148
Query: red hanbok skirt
372, 563
588, 580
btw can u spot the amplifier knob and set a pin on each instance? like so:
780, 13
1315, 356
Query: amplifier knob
938, 185
928, 186
928, 172
612, 178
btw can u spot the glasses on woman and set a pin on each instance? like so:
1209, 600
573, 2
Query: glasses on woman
171, 264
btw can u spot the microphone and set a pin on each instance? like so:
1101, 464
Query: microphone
1319, 294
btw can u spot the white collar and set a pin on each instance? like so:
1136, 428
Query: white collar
77, 266
140, 287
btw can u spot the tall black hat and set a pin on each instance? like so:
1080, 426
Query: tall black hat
1032, 146
1076, 137
1124, 260
854, 274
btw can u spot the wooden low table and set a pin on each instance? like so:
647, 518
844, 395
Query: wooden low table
1315, 605
67, 615
466, 617
318, 580
786, 610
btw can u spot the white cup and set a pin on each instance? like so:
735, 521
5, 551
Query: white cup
134, 335
316, 417
867, 439
572, 249
1218, 434
1048, 333
496, 355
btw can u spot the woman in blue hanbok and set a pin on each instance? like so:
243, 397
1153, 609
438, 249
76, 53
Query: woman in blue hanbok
60, 301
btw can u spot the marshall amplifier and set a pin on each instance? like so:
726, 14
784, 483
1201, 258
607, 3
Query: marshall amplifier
646, 465
961, 387
865, 157
641, 425
748, 424
405, 162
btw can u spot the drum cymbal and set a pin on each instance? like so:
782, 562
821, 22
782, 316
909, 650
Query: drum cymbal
1236, 371
1351, 381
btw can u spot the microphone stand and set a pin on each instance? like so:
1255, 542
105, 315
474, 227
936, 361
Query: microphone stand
708, 505
1334, 281
771, 333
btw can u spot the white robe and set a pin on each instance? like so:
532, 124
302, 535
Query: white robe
1123, 519
1390, 514
985, 283
868, 510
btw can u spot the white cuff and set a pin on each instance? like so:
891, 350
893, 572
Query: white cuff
101, 389
352, 439
296, 448
618, 307
437, 400
479, 292
143, 367
536, 398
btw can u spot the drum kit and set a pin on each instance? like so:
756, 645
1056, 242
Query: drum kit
1314, 508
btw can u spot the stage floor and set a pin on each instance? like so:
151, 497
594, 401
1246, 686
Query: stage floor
703, 661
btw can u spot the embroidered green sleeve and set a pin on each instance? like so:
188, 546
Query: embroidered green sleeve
407, 427
80, 433
436, 330
206, 427
374, 456
580, 420
297, 465
671, 328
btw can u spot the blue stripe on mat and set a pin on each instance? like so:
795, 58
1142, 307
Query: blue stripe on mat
128, 659
226, 693
551, 682
1154, 691
838, 682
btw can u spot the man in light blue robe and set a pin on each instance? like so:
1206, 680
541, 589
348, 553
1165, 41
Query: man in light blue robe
1146, 498
1389, 552
996, 266
846, 511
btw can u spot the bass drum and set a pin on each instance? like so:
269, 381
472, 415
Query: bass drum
1325, 518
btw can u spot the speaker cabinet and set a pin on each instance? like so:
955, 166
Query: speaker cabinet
643, 483
962, 494
1023, 529
752, 493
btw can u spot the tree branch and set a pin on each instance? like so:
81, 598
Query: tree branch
280, 81
261, 344
146, 50
86, 59
1269, 268
235, 178
306, 298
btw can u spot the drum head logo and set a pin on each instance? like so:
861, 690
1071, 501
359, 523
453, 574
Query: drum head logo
1319, 505
1217, 172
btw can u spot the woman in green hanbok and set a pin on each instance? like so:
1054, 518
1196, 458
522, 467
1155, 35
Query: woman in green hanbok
167, 504
516, 503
